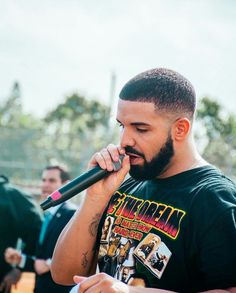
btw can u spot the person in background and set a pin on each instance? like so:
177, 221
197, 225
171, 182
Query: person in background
20, 223
53, 177
173, 193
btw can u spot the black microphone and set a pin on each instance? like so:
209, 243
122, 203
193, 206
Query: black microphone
78, 184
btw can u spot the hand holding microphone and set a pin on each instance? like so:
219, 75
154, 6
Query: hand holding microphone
82, 182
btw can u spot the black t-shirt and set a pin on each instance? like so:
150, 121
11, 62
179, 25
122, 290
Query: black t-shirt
177, 233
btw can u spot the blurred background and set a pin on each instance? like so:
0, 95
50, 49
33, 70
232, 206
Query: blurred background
63, 63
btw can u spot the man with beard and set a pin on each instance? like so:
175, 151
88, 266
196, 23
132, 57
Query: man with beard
172, 193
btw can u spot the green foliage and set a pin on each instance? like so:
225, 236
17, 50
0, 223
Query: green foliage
11, 114
18, 132
75, 129
69, 134
220, 135
78, 114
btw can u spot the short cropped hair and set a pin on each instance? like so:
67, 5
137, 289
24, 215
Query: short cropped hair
168, 90
64, 174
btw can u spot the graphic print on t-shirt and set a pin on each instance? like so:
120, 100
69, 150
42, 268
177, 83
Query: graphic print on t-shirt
153, 253
129, 235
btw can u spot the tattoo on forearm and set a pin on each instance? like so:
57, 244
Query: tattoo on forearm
93, 227
85, 259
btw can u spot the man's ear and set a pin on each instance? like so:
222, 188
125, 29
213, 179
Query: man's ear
181, 128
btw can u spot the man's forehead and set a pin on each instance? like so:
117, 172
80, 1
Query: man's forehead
142, 112
126, 105
134, 109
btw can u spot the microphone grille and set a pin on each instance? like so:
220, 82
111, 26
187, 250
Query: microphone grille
117, 165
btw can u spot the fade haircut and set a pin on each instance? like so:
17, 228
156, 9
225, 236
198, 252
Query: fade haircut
168, 90
64, 174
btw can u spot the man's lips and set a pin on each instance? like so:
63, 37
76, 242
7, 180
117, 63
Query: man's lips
134, 158
133, 155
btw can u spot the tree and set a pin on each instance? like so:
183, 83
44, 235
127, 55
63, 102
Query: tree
68, 134
220, 135
75, 129
18, 157
12, 115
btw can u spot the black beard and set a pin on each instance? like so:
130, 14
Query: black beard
157, 165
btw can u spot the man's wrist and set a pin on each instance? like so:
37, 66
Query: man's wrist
98, 202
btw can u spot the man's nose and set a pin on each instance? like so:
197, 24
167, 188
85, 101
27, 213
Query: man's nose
44, 183
126, 138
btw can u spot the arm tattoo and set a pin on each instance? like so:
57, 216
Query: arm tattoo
93, 227
84, 259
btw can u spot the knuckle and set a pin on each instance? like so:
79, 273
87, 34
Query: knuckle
97, 156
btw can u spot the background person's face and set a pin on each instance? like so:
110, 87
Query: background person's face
145, 135
51, 181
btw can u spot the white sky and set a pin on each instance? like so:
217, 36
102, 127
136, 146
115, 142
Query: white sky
56, 47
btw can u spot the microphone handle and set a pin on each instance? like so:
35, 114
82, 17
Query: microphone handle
78, 184
74, 187
82, 182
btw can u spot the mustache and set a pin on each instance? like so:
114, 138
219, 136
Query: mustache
130, 150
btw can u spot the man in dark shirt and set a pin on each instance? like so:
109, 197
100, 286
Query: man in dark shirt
173, 194
20, 220
53, 177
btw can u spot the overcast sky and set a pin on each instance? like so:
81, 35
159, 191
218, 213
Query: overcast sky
56, 47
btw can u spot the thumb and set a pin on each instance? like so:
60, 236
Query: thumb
78, 279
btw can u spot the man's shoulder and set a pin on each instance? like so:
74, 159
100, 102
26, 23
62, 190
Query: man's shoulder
214, 194
211, 180
64, 213
218, 184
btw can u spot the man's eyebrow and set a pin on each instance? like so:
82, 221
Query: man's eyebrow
140, 124
136, 123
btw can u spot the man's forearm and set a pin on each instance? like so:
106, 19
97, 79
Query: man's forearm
75, 249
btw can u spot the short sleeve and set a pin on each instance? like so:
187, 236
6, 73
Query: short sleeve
217, 252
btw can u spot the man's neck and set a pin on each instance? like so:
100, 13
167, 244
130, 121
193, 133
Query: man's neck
184, 160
